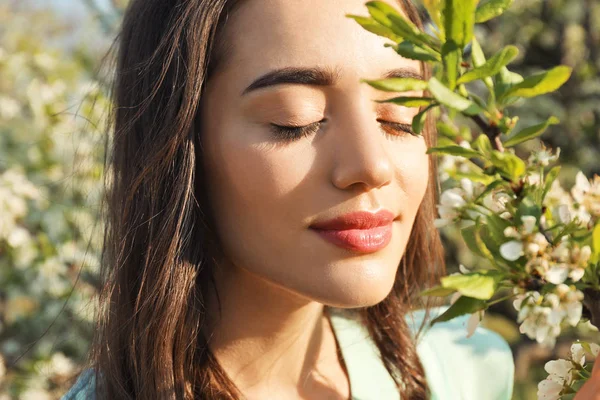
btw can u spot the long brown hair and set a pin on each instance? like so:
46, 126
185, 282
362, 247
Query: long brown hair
159, 242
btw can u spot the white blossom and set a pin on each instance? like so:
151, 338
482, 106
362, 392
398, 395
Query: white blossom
529, 223
512, 250
59, 364
557, 274
9, 108
449, 165
587, 194
35, 394
549, 390
543, 157
496, 202
559, 371
564, 214
453, 201
578, 354
473, 322
541, 316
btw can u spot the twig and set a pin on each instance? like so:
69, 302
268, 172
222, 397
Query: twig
491, 131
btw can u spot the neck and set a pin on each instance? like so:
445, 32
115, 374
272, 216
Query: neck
268, 338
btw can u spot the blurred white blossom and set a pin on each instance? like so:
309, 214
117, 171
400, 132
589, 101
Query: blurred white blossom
587, 194
453, 201
562, 374
543, 157
541, 316
52, 113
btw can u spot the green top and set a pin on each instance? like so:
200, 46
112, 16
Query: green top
457, 368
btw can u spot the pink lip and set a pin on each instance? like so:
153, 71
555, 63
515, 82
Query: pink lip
361, 231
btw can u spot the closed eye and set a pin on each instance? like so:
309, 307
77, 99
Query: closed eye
291, 132
397, 126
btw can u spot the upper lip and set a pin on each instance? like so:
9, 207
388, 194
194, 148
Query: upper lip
357, 220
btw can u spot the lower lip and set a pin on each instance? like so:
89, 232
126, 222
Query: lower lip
359, 240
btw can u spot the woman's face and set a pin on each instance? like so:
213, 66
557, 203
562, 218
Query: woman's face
266, 191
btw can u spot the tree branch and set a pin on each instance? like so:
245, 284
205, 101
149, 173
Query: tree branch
492, 132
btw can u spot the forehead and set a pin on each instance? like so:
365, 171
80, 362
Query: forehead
269, 34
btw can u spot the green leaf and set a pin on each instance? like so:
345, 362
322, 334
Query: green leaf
418, 121
388, 16
491, 241
482, 143
508, 165
374, 27
478, 59
408, 30
433, 8
529, 207
475, 177
540, 83
495, 228
478, 100
474, 242
414, 52
454, 151
509, 78
595, 244
491, 186
375, 10
531, 132
443, 141
464, 305
451, 57
549, 179
491, 9
492, 66
398, 84
446, 130
458, 19
478, 286
586, 346
437, 291
408, 101
453, 100
477, 53
506, 79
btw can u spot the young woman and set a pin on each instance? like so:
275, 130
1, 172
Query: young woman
270, 225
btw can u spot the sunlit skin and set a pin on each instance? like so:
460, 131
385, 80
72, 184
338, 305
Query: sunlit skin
591, 389
272, 338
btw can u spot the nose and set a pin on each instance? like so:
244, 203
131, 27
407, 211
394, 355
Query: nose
360, 152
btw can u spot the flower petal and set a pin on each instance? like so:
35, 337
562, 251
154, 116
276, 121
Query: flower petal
512, 250
473, 322
559, 369
557, 274
549, 390
528, 223
578, 354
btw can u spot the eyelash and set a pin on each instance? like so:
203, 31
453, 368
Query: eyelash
291, 133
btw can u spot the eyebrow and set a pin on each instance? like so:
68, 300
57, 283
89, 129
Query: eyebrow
316, 76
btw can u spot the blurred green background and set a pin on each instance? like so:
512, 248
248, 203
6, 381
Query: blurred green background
52, 105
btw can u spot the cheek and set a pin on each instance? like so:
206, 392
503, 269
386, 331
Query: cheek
252, 190
412, 168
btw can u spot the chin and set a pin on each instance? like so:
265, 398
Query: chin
354, 288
